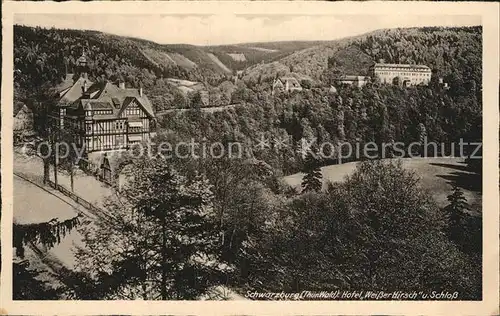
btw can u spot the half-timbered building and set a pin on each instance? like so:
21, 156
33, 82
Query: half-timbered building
102, 116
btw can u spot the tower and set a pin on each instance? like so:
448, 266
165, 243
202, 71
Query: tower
82, 65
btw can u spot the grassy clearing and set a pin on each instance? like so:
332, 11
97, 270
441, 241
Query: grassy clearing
437, 175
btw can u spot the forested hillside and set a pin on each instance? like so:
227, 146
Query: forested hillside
375, 113
43, 56
446, 49
236, 210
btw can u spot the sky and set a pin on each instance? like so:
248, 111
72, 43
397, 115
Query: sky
232, 29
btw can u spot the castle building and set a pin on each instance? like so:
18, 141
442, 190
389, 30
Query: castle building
404, 74
102, 116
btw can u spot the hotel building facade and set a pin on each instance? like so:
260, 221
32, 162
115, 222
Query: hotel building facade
405, 74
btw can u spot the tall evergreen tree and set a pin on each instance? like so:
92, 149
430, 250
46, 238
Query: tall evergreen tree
312, 178
456, 212
464, 228
162, 243
26, 285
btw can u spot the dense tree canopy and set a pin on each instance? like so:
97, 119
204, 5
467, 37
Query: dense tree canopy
379, 114
377, 229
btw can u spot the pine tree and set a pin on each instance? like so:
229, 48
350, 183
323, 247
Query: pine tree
26, 285
422, 135
312, 178
456, 212
46, 233
163, 241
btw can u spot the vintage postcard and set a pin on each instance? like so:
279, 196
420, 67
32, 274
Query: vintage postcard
284, 158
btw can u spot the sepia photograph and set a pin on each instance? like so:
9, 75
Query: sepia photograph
247, 157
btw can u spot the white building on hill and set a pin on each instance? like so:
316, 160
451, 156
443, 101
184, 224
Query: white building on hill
405, 74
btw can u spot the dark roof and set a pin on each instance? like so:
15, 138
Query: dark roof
74, 92
108, 91
107, 96
96, 88
409, 66
144, 101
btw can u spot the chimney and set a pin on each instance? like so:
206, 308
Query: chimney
121, 84
381, 61
140, 91
84, 87
441, 80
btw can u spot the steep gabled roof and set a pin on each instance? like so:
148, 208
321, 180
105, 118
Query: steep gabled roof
107, 91
126, 103
111, 93
105, 96
143, 101
74, 92
95, 89
146, 104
